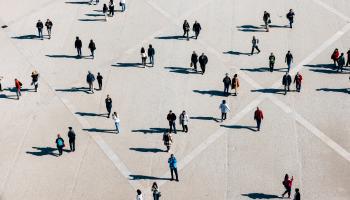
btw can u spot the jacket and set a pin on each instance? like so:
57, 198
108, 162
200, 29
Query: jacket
108, 102
298, 78
227, 81
224, 108
171, 117
48, 24
151, 51
235, 83
39, 25
184, 119
172, 162
341, 61
78, 44
186, 26
90, 78
92, 46
71, 135
196, 27
194, 58
286, 80
168, 140
289, 58
258, 115
203, 59
62, 142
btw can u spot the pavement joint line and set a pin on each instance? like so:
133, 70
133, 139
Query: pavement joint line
332, 10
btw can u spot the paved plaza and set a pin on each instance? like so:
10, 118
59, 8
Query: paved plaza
306, 134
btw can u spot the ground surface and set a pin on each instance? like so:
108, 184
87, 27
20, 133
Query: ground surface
306, 135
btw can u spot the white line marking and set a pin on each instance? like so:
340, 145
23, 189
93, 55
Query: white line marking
332, 10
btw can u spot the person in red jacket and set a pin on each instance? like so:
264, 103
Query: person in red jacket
18, 86
287, 183
258, 117
297, 80
335, 57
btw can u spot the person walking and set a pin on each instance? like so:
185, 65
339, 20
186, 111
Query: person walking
151, 52
286, 81
18, 86
224, 110
35, 80
258, 117
90, 78
78, 45
116, 120
255, 43
105, 10
297, 194
227, 84
40, 26
348, 55
111, 8
139, 195
290, 17
196, 29
267, 20
289, 60
297, 80
287, 183
60, 144
171, 117
173, 167
235, 84
48, 25
335, 57
99, 80
1, 77
194, 60
122, 4
341, 62
203, 60
71, 137
168, 140
272, 60
155, 191
183, 118
92, 48
186, 29
143, 56
108, 102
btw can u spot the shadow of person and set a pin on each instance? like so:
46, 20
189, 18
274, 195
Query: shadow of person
261, 196
147, 150
43, 151
143, 177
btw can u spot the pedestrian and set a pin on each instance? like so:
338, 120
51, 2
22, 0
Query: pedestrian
78, 45
122, 4
143, 56
348, 61
59, 144
168, 140
71, 137
203, 60
194, 60
287, 183
224, 110
186, 29
196, 29
267, 20
286, 81
1, 77
35, 79
335, 57
297, 80
341, 62
235, 84
92, 48
139, 195
227, 84
272, 60
116, 120
289, 60
40, 26
173, 167
297, 194
151, 53
99, 80
90, 78
18, 86
48, 25
105, 10
108, 102
155, 191
171, 117
258, 117
184, 121
255, 43
111, 8
290, 17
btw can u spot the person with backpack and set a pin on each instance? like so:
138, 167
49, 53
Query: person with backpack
105, 10
151, 52
286, 81
255, 43
341, 62
297, 80
143, 56
258, 117
235, 84
78, 45
60, 144
196, 29
35, 80
173, 167
168, 140
194, 60
92, 48
183, 118
155, 191
90, 78
272, 60
290, 17
289, 60
203, 60
224, 110
267, 20
40, 26
335, 57
287, 183
18, 86
186, 29
48, 25
108, 102
71, 137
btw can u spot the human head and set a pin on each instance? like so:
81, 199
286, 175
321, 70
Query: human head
226, 74
98, 73
150, 46
107, 95
58, 135
70, 128
296, 190
288, 51
235, 75
202, 54
253, 36
271, 53
223, 101
77, 38
170, 111
91, 40
138, 192
184, 112
257, 108
172, 155
286, 177
155, 184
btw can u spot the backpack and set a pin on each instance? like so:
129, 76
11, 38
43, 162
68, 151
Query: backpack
59, 142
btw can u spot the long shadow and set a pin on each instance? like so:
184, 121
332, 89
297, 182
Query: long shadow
171, 37
252, 128
142, 177
211, 92
63, 56
147, 150
91, 20
43, 151
90, 114
98, 130
75, 89
261, 196
278, 26
150, 130
4, 96
251, 28
138, 65
13, 89
340, 90
95, 15
270, 91
78, 2
323, 68
263, 69
237, 53
27, 37
180, 70
205, 118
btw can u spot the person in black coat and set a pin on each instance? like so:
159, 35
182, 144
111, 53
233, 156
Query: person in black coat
71, 136
297, 194
194, 60
227, 83
186, 29
92, 48
196, 28
99, 80
40, 26
48, 25
108, 102
286, 81
203, 60
171, 117
78, 45
151, 53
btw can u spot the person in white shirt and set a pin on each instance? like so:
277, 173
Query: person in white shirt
123, 4
139, 195
116, 120
184, 121
224, 110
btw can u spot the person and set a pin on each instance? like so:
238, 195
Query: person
99, 80
272, 60
171, 117
168, 140
108, 102
255, 43
1, 77
48, 25
227, 84
143, 56
286, 81
186, 29
183, 118
92, 48
139, 195
35, 78
258, 117
71, 137
90, 78
155, 191
235, 84
287, 183
18, 86
297, 80
59, 144
173, 167
348, 61
224, 110
111, 8
194, 60
203, 60
151, 53
116, 120
78, 45
105, 10
341, 62
196, 29
335, 57
290, 17
122, 3
289, 59
267, 20
297, 194
40, 26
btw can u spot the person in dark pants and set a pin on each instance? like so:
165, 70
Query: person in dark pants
173, 167
255, 43
1, 77
348, 61
151, 52
92, 48
194, 60
108, 102
111, 8
258, 117
286, 81
196, 29
99, 80
335, 57
272, 60
78, 45
290, 17
168, 140
287, 183
105, 10
297, 80
184, 121
59, 144
18, 86
267, 20
297, 194
289, 60
341, 62
35, 80
71, 136
171, 117
186, 29
40, 26
203, 60
227, 84
224, 108
90, 78
48, 25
